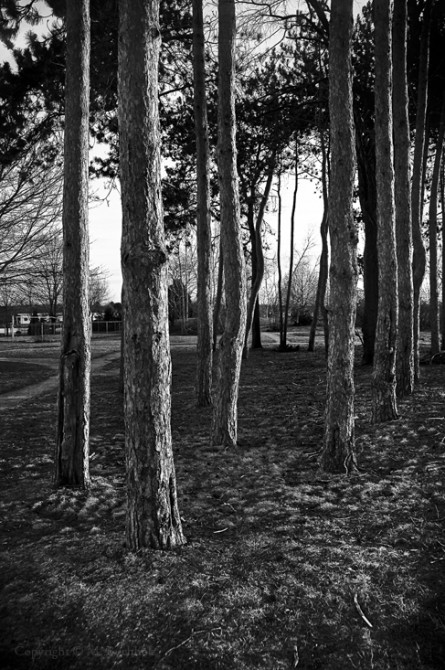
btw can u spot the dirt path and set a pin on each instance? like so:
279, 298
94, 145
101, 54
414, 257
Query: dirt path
10, 400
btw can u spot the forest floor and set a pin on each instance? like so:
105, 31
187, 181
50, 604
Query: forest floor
285, 566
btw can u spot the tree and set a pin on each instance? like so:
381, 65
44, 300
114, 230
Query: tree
434, 286
442, 203
257, 254
419, 256
98, 288
324, 257
224, 429
30, 204
338, 444
363, 58
384, 406
46, 273
72, 442
205, 324
283, 331
152, 510
303, 290
402, 195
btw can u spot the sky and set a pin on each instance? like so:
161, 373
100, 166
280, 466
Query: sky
105, 219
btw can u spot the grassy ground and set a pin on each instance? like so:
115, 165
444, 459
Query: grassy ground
285, 567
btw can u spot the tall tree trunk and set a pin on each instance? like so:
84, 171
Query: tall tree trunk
402, 193
204, 237
283, 331
73, 427
152, 511
225, 415
338, 443
257, 252
280, 272
218, 297
434, 285
368, 200
256, 342
384, 406
419, 256
324, 257
442, 203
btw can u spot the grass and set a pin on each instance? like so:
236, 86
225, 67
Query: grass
284, 566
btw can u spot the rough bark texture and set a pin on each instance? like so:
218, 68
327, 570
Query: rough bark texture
205, 323
72, 441
434, 283
402, 193
338, 445
224, 429
384, 406
419, 255
152, 511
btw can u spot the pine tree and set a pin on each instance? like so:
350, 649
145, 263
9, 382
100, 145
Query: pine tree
152, 510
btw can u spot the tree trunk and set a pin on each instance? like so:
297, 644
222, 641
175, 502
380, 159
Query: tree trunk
73, 427
152, 510
218, 297
419, 256
280, 273
204, 241
384, 406
225, 420
324, 257
368, 197
442, 203
257, 253
338, 444
402, 193
283, 331
434, 285
256, 327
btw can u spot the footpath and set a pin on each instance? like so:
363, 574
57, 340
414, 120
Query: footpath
15, 398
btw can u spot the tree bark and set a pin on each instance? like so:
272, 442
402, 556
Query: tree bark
204, 241
73, 427
338, 443
419, 255
225, 419
152, 511
384, 405
434, 284
402, 194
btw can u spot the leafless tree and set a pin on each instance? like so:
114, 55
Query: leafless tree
30, 205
